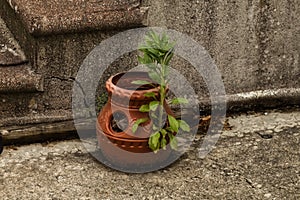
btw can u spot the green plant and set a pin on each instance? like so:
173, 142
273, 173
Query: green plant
157, 52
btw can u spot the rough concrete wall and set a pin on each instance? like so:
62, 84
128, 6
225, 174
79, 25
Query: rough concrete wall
57, 50
58, 58
255, 43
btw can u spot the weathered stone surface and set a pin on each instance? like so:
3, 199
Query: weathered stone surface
255, 43
263, 98
237, 168
9, 57
10, 51
19, 79
49, 17
56, 37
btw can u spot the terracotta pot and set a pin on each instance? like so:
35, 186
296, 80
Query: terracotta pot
114, 128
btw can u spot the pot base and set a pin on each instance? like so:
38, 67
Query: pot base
123, 153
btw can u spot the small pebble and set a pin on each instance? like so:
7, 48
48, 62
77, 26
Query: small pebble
268, 195
277, 130
268, 131
240, 135
4, 132
255, 147
228, 134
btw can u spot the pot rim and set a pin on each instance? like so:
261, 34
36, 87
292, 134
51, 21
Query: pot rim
116, 87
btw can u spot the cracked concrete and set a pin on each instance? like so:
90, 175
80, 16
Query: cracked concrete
243, 165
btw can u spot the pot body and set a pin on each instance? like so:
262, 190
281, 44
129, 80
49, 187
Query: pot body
116, 139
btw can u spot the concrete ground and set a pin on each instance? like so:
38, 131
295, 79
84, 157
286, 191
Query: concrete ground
256, 157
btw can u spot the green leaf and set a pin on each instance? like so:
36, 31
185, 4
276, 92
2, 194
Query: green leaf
165, 70
157, 47
144, 108
137, 123
170, 45
168, 56
134, 127
152, 66
153, 105
142, 47
150, 94
168, 59
163, 143
140, 82
184, 126
154, 36
152, 56
154, 141
163, 132
141, 60
154, 76
153, 115
147, 38
149, 44
173, 123
164, 38
161, 54
153, 51
141, 120
179, 101
173, 141
145, 59
169, 129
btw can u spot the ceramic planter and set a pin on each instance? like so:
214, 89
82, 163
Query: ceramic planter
114, 125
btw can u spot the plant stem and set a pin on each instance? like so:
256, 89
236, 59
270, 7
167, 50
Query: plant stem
162, 94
